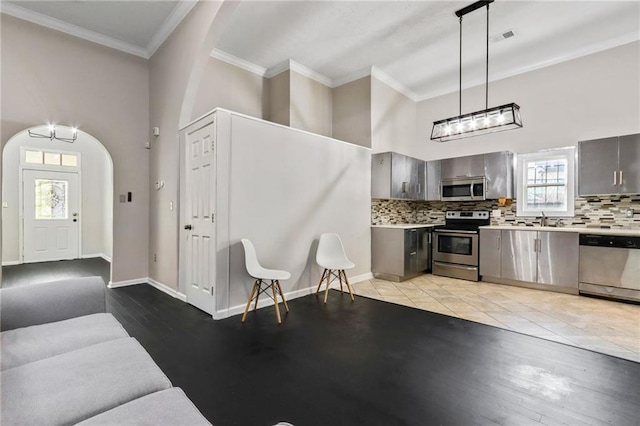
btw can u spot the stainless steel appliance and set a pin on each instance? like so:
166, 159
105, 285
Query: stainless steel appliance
463, 189
455, 247
610, 266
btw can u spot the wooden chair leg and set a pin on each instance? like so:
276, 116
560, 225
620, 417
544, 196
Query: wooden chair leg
340, 279
321, 280
326, 292
259, 284
275, 299
286, 306
246, 309
348, 285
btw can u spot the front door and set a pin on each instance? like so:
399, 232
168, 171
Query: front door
50, 215
200, 260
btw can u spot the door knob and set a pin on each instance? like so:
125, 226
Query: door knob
188, 227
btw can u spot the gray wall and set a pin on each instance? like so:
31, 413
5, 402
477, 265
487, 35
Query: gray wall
279, 98
590, 97
102, 91
227, 86
96, 197
352, 112
393, 119
310, 104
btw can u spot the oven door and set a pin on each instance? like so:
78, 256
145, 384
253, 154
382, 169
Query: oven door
456, 247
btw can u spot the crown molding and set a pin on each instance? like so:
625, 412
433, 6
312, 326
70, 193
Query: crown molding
74, 30
308, 72
277, 69
239, 62
364, 72
394, 84
181, 10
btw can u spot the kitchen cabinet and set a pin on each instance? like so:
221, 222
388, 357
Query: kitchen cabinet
609, 165
489, 250
399, 253
498, 172
395, 175
544, 258
433, 181
460, 167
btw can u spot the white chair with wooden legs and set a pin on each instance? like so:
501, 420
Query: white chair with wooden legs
332, 257
262, 275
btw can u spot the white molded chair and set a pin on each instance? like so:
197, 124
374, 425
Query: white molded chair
332, 257
261, 274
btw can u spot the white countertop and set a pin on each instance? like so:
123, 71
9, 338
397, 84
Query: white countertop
595, 231
407, 225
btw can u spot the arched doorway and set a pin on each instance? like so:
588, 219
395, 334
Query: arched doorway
57, 197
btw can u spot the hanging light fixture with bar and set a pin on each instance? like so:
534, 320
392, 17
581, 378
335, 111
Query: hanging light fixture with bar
488, 120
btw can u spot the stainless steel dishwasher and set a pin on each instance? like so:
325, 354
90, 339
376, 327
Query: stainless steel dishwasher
610, 266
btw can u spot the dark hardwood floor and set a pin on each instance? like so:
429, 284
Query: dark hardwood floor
371, 363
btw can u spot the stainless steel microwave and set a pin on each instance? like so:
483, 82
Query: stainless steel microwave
463, 189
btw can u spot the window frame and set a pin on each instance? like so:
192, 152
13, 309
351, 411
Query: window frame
568, 154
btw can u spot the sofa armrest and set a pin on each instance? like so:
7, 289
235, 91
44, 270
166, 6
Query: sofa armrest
52, 301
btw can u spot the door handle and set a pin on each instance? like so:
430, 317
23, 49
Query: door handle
615, 176
188, 227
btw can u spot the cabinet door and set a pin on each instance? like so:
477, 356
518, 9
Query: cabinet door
498, 169
558, 258
455, 167
399, 176
433, 180
518, 256
410, 251
629, 168
476, 165
381, 175
598, 167
418, 179
424, 249
490, 240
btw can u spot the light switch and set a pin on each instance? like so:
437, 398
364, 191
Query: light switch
123, 198
496, 214
5, 205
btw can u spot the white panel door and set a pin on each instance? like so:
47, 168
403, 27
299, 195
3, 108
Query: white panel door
50, 216
200, 216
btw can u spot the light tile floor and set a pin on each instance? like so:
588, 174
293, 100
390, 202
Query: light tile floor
600, 325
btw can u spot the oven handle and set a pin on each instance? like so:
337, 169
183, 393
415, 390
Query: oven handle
448, 231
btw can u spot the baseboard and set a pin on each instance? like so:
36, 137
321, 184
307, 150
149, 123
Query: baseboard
165, 289
360, 278
127, 282
93, 256
266, 301
11, 263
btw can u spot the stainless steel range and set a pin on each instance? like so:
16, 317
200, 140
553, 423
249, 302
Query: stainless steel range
455, 247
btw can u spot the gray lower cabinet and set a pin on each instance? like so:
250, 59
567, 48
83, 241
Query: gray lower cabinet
398, 254
545, 258
490, 243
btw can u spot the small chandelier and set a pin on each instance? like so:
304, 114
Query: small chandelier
488, 120
51, 135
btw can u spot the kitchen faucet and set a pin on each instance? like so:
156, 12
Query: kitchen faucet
543, 220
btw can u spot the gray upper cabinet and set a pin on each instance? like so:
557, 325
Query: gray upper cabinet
460, 167
498, 171
629, 179
433, 180
609, 166
395, 175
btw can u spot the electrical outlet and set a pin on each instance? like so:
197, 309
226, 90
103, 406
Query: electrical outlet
630, 213
155, 257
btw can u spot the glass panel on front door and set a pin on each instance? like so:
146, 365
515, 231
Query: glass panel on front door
51, 199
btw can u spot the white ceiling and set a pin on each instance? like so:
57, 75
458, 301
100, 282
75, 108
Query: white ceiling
413, 45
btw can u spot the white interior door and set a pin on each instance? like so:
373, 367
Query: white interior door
200, 261
50, 215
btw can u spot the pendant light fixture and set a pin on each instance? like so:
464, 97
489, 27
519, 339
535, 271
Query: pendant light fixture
488, 120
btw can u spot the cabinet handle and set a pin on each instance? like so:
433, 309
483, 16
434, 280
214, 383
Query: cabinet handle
620, 177
615, 176
413, 253
471, 190
420, 187
499, 243
539, 245
535, 245
404, 187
